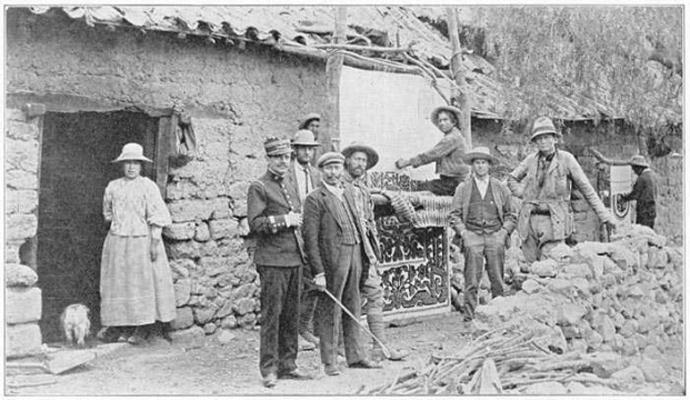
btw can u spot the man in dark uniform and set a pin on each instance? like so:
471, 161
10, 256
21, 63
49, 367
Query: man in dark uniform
484, 217
273, 212
644, 191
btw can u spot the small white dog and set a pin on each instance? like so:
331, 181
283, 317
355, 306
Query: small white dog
76, 323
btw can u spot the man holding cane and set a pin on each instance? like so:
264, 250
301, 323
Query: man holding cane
333, 239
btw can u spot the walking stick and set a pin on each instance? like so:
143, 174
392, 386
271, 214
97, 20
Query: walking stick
385, 350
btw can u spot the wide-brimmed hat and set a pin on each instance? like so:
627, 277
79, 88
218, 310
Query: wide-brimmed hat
330, 158
132, 152
638, 161
372, 155
451, 109
276, 147
543, 126
308, 118
304, 137
479, 152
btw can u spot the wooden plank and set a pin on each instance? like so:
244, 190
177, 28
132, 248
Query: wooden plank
464, 96
334, 66
16, 382
165, 145
62, 361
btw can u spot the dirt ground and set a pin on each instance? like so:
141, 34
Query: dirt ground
210, 368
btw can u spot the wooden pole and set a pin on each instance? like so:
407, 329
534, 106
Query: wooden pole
463, 96
334, 65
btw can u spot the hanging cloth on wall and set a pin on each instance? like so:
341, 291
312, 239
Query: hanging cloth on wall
185, 143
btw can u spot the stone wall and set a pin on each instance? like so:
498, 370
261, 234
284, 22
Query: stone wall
22, 311
235, 97
21, 184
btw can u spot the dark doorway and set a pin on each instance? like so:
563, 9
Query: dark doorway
76, 154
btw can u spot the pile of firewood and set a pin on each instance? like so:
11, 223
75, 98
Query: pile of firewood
504, 360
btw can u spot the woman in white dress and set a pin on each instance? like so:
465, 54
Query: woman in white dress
136, 283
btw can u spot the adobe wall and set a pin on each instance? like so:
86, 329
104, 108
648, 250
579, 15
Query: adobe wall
236, 98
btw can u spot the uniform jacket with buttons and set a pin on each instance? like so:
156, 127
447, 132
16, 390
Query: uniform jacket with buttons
563, 171
269, 199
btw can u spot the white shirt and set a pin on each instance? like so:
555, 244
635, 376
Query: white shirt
304, 185
482, 184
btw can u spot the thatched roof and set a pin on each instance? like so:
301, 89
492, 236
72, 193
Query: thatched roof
304, 27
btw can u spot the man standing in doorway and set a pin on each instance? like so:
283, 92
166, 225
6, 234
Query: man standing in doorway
359, 158
644, 192
306, 178
333, 236
447, 154
274, 215
546, 217
483, 216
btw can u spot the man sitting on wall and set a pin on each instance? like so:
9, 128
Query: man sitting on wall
447, 154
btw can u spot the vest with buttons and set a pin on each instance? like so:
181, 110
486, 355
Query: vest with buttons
482, 216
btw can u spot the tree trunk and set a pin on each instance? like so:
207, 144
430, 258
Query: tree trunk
334, 65
463, 97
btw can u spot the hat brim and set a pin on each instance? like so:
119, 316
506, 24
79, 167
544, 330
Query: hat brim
372, 155
542, 133
437, 111
122, 158
637, 164
307, 144
470, 157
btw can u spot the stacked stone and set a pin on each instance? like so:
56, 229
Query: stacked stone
22, 311
623, 297
216, 283
21, 180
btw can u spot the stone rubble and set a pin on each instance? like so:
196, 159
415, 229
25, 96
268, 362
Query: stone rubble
618, 302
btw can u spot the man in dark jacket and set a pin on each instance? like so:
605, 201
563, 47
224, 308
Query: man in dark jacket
273, 212
483, 215
644, 192
333, 239
447, 154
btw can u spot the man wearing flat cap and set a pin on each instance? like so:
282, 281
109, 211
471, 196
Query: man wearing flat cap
306, 179
359, 158
274, 215
543, 180
643, 192
447, 154
483, 216
333, 239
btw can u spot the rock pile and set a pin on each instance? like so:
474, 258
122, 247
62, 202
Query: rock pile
621, 296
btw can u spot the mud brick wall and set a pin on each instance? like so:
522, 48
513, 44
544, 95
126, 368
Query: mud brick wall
235, 97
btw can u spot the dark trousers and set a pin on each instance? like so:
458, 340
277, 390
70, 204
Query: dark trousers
310, 295
646, 214
345, 287
280, 292
444, 186
477, 248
